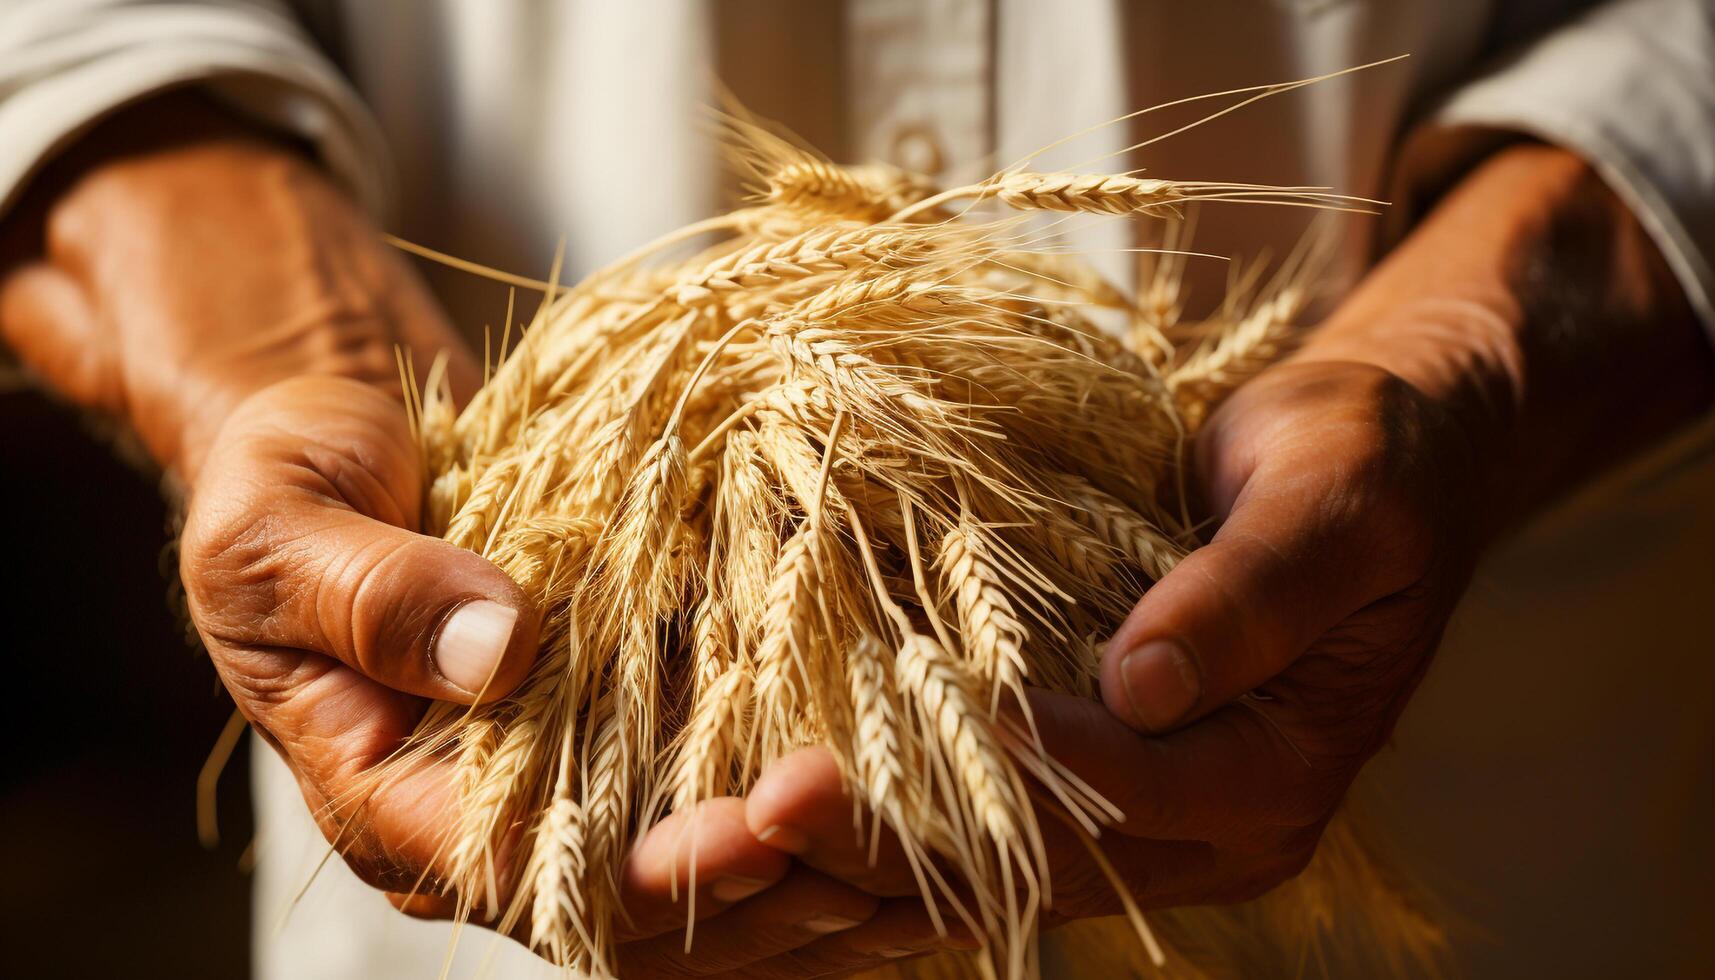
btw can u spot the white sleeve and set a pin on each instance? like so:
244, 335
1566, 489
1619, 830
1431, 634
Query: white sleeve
1630, 87
64, 64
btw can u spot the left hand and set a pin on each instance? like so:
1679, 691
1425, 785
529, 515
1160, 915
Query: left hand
1470, 378
1326, 589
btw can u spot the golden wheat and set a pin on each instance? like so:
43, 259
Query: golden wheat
855, 475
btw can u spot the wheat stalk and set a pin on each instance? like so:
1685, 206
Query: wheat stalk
854, 475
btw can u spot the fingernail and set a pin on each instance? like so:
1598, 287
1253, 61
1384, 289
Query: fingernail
472, 641
821, 925
895, 952
1160, 683
783, 838
737, 888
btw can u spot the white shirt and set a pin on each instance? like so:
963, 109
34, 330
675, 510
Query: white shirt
1553, 777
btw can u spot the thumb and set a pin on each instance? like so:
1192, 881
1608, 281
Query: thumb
297, 538
1287, 565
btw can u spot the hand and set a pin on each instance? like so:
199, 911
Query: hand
1324, 592
221, 297
177, 279
1272, 663
161, 281
330, 623
1468, 380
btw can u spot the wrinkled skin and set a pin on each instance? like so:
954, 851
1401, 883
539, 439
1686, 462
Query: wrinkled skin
1229, 800
1355, 485
222, 298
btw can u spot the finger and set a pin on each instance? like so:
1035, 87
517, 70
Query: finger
296, 538
1144, 871
1232, 774
800, 806
419, 905
1285, 567
900, 929
694, 865
339, 733
46, 317
803, 907
800, 796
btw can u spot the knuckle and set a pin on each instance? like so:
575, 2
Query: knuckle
71, 226
1409, 463
1323, 724
362, 475
1313, 789
343, 828
263, 680
231, 559
360, 454
1388, 476
258, 567
360, 354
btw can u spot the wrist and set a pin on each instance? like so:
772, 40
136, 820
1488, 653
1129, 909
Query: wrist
1532, 306
215, 266
204, 311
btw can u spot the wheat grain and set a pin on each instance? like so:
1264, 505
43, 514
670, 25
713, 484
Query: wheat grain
994, 637
1118, 525
715, 466
788, 625
1234, 354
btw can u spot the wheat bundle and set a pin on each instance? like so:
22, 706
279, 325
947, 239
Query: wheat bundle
854, 475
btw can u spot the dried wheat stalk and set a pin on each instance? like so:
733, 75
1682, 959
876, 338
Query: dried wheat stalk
855, 475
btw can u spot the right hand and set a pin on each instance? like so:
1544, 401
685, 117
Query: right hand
331, 620
221, 297
177, 281
330, 623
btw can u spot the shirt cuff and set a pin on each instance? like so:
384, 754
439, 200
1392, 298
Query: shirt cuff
1630, 89
64, 66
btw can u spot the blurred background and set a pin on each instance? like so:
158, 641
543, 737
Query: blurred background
1551, 781
114, 713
